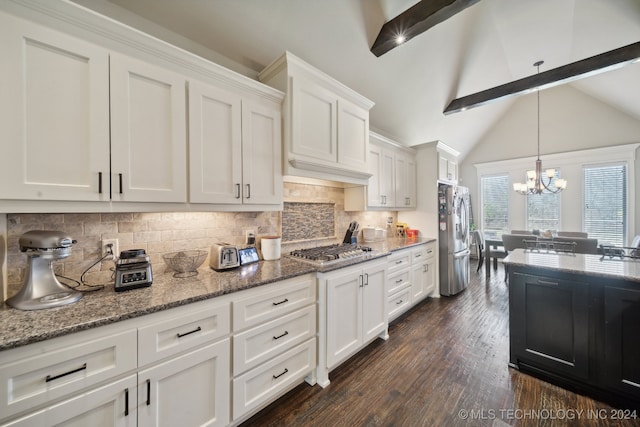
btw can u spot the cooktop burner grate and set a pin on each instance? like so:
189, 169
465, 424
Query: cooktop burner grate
330, 253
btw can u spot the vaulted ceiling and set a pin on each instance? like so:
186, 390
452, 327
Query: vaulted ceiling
488, 44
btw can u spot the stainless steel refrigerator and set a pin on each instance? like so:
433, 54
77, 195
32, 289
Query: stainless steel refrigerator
453, 217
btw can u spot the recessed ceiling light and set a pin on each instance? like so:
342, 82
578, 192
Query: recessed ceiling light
400, 39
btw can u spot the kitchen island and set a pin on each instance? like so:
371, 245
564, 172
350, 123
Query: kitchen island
574, 321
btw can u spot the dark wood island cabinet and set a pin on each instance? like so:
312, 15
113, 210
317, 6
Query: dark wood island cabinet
574, 321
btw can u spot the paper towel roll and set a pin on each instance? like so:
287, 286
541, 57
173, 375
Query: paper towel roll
271, 247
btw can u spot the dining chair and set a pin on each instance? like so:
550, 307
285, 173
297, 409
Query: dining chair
514, 241
478, 239
573, 234
582, 245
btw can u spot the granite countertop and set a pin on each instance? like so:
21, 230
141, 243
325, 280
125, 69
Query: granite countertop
107, 306
592, 265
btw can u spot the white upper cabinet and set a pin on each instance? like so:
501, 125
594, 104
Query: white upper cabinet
102, 124
234, 148
405, 174
393, 178
261, 154
54, 115
215, 145
314, 128
447, 163
353, 134
148, 132
326, 132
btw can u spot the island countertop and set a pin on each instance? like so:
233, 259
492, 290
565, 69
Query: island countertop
18, 328
587, 264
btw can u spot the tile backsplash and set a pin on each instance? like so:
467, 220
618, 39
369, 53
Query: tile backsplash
160, 233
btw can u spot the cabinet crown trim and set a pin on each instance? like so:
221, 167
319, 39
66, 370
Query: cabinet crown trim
296, 65
316, 167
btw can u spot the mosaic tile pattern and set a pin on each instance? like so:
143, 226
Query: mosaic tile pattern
307, 221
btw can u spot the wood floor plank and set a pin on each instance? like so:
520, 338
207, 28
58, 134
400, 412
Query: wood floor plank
445, 364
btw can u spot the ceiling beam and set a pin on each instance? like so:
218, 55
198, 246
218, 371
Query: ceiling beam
567, 73
416, 20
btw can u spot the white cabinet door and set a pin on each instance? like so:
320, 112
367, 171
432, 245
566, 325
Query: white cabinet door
314, 125
54, 115
423, 280
405, 171
111, 405
189, 390
387, 179
215, 145
410, 183
353, 136
344, 315
148, 132
375, 182
374, 301
262, 154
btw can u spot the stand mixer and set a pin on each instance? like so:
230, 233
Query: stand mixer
41, 289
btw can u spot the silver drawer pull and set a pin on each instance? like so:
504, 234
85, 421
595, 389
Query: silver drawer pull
399, 302
418, 255
280, 336
399, 281
281, 302
275, 377
49, 378
399, 261
198, 329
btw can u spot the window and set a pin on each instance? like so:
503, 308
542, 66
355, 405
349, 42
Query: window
495, 205
543, 210
605, 203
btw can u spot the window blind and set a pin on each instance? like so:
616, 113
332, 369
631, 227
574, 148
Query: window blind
543, 210
495, 205
605, 203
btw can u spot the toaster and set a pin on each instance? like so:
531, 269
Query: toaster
224, 256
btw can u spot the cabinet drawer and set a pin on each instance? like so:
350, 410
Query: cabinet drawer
269, 302
422, 253
261, 343
261, 384
182, 328
397, 281
41, 372
399, 302
399, 260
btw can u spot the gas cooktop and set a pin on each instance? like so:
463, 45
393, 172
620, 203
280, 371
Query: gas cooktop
330, 254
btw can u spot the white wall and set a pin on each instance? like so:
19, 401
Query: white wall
570, 120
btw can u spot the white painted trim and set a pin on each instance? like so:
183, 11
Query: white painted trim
592, 156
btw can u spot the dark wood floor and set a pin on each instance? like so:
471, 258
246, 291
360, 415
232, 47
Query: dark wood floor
445, 364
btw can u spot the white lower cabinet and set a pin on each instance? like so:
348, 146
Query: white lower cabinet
45, 372
352, 312
423, 273
258, 387
111, 405
274, 342
412, 277
189, 390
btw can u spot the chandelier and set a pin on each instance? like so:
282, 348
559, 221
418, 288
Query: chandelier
537, 183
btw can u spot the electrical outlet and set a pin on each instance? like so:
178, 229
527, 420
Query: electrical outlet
114, 248
250, 237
